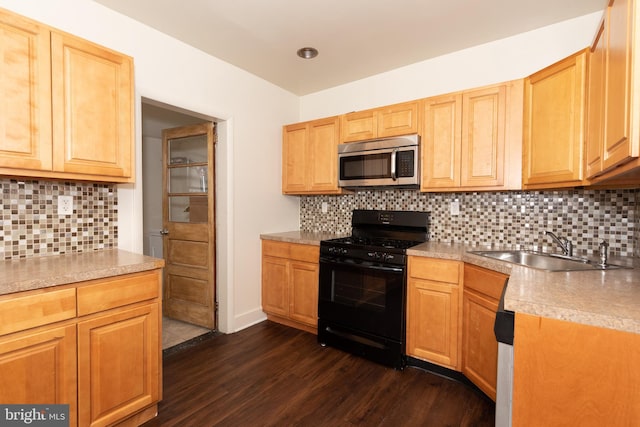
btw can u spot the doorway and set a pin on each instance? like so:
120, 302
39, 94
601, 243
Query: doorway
155, 118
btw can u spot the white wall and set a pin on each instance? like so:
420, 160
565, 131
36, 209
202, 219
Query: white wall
248, 154
507, 59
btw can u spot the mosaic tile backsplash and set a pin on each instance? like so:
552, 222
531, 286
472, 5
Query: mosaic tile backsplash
32, 227
515, 218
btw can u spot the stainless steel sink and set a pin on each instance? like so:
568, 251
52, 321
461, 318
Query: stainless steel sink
545, 261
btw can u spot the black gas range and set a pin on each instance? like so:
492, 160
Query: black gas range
362, 286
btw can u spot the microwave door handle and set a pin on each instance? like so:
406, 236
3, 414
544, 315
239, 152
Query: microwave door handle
394, 154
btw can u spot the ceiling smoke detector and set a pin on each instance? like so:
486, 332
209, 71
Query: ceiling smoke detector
307, 52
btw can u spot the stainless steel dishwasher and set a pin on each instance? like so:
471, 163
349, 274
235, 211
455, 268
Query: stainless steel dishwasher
503, 330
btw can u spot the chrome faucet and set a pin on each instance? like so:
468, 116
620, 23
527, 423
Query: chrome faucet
563, 242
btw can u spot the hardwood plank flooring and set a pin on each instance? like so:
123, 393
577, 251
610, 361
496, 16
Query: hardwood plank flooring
273, 375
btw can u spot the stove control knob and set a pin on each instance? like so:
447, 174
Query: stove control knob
343, 251
373, 254
388, 257
331, 250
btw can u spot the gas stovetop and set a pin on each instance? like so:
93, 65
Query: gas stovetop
374, 242
380, 236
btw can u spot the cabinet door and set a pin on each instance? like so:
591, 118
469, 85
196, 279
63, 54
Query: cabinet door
483, 137
398, 119
119, 364
572, 374
25, 90
303, 292
92, 104
359, 126
619, 24
322, 160
40, 367
432, 322
479, 345
595, 112
441, 141
275, 286
555, 100
294, 158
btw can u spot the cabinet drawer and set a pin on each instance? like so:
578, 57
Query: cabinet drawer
488, 282
438, 270
104, 294
36, 309
294, 251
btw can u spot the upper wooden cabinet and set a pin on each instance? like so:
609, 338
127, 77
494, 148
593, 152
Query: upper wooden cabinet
554, 124
613, 147
68, 110
595, 106
310, 157
392, 120
472, 140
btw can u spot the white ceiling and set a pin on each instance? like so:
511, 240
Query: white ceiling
356, 38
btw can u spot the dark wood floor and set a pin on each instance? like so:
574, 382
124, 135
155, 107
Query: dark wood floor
272, 375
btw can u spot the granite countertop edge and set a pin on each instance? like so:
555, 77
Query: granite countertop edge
57, 270
608, 299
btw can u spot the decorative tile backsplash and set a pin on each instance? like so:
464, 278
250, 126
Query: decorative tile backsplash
514, 218
32, 227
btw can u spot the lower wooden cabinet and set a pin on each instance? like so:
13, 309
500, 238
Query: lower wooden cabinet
39, 366
118, 365
290, 283
482, 291
97, 348
573, 374
433, 311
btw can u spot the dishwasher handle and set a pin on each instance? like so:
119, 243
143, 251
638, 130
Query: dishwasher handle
503, 325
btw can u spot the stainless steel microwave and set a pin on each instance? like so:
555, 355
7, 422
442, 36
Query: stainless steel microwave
388, 162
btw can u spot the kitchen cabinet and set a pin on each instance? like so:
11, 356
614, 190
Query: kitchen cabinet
471, 140
39, 366
69, 105
481, 295
595, 105
554, 124
392, 120
94, 345
434, 307
290, 283
617, 143
574, 374
310, 157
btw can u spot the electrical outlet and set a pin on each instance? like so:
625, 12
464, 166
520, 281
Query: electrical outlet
65, 205
325, 207
455, 207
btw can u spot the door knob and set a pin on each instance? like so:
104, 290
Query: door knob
164, 231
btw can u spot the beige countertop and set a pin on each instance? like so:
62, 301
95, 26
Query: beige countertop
609, 299
301, 237
42, 272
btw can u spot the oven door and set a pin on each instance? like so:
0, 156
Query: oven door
363, 296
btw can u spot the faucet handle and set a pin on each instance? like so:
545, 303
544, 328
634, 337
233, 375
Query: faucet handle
568, 246
603, 252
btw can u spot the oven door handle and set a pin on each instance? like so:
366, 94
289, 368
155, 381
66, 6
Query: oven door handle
363, 264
